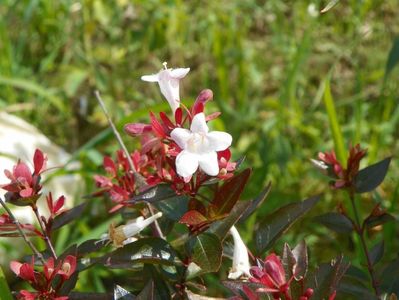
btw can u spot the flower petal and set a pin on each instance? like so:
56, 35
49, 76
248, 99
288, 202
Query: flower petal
150, 78
208, 163
179, 73
186, 163
219, 140
170, 89
198, 124
181, 136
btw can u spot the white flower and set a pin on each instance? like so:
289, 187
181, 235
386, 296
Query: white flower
199, 147
240, 257
168, 80
123, 234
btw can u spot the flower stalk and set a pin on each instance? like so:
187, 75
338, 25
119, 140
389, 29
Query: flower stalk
138, 178
360, 232
23, 235
44, 232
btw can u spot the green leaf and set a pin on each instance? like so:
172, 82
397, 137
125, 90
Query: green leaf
371, 177
377, 252
336, 222
5, 292
154, 194
329, 6
393, 57
255, 203
334, 124
276, 223
229, 193
68, 216
145, 250
173, 208
221, 227
206, 252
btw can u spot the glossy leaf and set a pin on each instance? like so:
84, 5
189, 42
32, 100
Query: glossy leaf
371, 177
351, 287
193, 218
145, 250
276, 223
377, 252
336, 222
229, 193
221, 227
326, 278
121, 294
154, 194
68, 216
173, 208
255, 203
300, 253
377, 217
206, 252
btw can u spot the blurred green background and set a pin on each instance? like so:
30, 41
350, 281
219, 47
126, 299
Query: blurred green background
267, 62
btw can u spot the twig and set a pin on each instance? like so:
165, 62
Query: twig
360, 231
138, 178
45, 235
16, 222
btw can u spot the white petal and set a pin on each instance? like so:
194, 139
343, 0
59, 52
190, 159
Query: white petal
179, 73
186, 163
241, 264
170, 89
208, 163
181, 136
150, 78
198, 124
219, 140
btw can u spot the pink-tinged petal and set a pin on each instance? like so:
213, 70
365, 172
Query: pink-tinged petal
203, 97
59, 204
181, 136
198, 125
15, 266
150, 78
179, 73
21, 170
25, 295
208, 163
219, 141
26, 192
137, 129
186, 163
275, 269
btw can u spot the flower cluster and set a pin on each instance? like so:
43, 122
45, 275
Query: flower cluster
47, 282
181, 152
342, 177
24, 186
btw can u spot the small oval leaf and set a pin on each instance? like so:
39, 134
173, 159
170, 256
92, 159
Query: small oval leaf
371, 177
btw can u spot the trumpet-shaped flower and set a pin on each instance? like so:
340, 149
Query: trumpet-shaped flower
199, 147
123, 234
168, 80
241, 265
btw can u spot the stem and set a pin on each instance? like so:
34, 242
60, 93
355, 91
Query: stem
44, 231
138, 178
16, 222
360, 231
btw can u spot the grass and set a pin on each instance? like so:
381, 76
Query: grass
289, 83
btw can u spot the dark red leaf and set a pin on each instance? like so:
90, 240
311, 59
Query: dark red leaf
193, 218
230, 192
137, 129
38, 161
